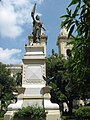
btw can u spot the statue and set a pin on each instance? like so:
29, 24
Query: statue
37, 27
48, 80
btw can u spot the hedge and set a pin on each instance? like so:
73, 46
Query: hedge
32, 112
83, 113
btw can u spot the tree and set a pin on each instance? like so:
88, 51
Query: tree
18, 79
64, 86
78, 21
7, 86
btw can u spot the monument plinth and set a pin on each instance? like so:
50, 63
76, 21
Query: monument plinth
34, 63
34, 68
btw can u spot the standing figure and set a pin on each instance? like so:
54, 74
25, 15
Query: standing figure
37, 27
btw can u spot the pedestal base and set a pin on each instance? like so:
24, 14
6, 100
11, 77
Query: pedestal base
53, 115
9, 115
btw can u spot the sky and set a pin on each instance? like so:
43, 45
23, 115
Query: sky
16, 25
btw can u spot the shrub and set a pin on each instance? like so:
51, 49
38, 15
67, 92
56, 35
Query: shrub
32, 112
83, 113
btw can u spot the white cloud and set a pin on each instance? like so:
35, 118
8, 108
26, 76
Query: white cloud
13, 15
36, 1
10, 56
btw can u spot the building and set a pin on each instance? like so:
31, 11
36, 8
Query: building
14, 69
64, 47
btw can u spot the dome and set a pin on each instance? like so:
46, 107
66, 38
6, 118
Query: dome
63, 32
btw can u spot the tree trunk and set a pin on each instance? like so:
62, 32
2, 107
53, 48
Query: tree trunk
70, 106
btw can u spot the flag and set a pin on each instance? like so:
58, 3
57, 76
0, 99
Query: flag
34, 8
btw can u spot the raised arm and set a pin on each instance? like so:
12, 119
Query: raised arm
33, 11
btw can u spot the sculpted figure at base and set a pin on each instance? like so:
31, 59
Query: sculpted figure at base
37, 27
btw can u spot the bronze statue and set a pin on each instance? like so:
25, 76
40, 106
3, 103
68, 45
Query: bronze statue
37, 26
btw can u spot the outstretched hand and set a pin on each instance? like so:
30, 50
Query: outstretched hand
32, 14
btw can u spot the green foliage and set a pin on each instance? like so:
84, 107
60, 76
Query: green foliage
6, 81
32, 112
1, 118
83, 112
18, 79
78, 20
64, 85
55, 66
6, 87
7, 97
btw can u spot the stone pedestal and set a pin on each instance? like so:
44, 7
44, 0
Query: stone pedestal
34, 67
9, 115
33, 90
51, 108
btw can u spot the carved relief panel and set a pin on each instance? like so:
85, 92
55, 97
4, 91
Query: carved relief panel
33, 73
